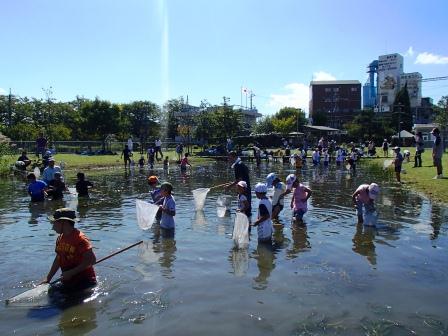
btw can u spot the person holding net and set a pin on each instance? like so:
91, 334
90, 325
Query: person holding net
74, 255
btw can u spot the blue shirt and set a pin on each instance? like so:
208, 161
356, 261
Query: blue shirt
36, 190
167, 221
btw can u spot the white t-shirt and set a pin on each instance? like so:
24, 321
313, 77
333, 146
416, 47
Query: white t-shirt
264, 229
279, 189
158, 143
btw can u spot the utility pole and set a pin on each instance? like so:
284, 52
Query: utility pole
251, 96
10, 108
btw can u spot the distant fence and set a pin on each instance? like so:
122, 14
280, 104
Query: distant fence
88, 146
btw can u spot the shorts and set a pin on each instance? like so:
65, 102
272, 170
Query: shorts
398, 169
298, 214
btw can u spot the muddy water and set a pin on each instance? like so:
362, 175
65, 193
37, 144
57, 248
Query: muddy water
328, 277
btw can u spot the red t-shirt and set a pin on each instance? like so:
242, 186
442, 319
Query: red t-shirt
70, 250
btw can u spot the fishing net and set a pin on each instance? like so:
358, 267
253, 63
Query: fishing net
36, 172
31, 296
146, 213
199, 196
241, 231
223, 205
387, 163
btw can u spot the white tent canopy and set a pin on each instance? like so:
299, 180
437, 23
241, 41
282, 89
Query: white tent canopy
404, 134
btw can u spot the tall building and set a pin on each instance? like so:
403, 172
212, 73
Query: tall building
337, 101
390, 78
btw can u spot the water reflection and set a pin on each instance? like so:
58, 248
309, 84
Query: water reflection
363, 242
164, 244
78, 320
239, 260
301, 243
264, 254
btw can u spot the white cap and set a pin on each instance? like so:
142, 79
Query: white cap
242, 184
270, 178
290, 179
261, 188
374, 190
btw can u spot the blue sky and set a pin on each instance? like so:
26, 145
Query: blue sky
156, 50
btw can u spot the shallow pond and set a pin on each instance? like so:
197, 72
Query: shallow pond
328, 277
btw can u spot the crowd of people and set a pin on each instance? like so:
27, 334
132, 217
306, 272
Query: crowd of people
74, 255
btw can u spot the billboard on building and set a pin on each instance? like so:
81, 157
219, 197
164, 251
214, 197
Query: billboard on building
414, 85
390, 67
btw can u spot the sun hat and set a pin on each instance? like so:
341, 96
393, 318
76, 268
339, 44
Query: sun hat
64, 213
290, 179
396, 147
153, 179
435, 130
51, 159
242, 184
270, 178
261, 188
374, 190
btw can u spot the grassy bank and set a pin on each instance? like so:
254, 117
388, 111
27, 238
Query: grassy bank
421, 179
85, 162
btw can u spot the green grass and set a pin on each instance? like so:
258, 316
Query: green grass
85, 162
421, 179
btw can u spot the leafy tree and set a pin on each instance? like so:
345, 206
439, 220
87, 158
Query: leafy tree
100, 118
172, 108
285, 125
367, 126
265, 125
402, 115
141, 119
319, 119
442, 112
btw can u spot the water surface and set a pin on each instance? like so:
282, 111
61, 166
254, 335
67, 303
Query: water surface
330, 276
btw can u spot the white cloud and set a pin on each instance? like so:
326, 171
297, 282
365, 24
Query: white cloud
409, 52
428, 58
297, 95
2, 92
323, 76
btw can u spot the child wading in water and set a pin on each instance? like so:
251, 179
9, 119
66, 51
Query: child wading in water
83, 185
263, 222
184, 162
300, 196
156, 193
166, 162
168, 209
56, 187
243, 203
398, 160
278, 196
74, 255
365, 197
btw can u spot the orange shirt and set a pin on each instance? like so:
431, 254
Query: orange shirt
70, 250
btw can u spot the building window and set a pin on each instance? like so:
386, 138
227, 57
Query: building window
384, 99
327, 89
354, 89
336, 90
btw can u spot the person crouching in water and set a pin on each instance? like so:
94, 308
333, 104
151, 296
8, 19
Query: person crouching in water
365, 197
82, 185
37, 189
300, 196
168, 209
74, 254
263, 221
56, 187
